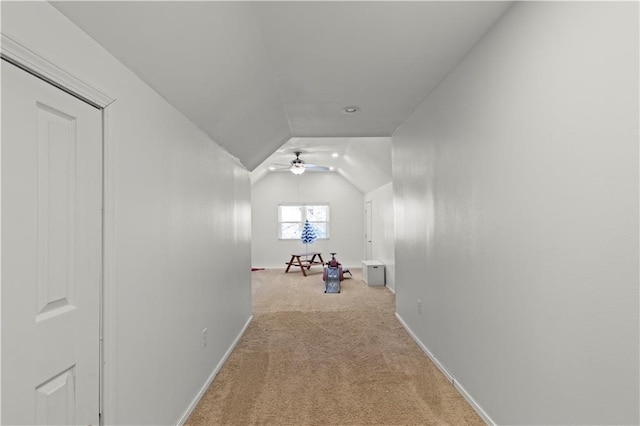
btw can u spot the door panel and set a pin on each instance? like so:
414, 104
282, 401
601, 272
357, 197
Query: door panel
56, 207
55, 401
51, 253
368, 230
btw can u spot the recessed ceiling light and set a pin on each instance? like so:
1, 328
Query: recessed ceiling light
272, 168
350, 109
334, 155
331, 168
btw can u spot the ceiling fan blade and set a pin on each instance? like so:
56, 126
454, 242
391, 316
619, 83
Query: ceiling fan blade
316, 167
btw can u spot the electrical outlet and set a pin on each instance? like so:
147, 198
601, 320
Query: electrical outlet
204, 338
419, 307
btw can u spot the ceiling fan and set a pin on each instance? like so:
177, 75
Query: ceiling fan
298, 166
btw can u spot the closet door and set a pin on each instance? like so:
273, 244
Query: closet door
51, 253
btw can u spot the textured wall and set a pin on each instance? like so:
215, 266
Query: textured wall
516, 187
177, 235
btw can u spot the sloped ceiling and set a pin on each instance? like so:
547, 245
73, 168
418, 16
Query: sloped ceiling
253, 75
365, 162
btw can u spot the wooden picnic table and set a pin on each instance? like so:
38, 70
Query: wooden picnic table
306, 263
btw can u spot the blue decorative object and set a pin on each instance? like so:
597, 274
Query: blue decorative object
308, 234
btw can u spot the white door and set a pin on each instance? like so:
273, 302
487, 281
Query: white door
368, 230
51, 253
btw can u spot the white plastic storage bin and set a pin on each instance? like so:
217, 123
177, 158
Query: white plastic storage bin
373, 272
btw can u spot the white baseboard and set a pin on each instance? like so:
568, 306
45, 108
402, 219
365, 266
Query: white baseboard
487, 419
206, 385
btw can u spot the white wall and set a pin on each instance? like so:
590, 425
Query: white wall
346, 217
382, 230
178, 211
516, 187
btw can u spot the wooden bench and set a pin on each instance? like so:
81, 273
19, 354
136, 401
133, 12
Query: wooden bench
306, 263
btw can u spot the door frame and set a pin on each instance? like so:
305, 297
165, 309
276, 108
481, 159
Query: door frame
368, 229
19, 54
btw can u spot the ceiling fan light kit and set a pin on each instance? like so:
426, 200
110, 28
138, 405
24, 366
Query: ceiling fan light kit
299, 166
297, 169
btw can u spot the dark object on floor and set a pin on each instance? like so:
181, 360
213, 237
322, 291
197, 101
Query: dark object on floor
332, 275
257, 269
306, 263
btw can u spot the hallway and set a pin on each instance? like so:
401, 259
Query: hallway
310, 358
506, 216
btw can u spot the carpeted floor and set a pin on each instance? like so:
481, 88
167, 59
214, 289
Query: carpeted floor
310, 358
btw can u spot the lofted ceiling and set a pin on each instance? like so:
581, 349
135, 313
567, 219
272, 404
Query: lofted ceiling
257, 75
363, 161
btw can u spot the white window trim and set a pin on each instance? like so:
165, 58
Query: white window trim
304, 213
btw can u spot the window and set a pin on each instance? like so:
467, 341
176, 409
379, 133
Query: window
291, 219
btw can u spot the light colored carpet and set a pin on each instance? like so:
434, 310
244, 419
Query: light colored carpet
310, 358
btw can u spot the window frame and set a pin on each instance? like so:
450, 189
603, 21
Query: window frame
303, 206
